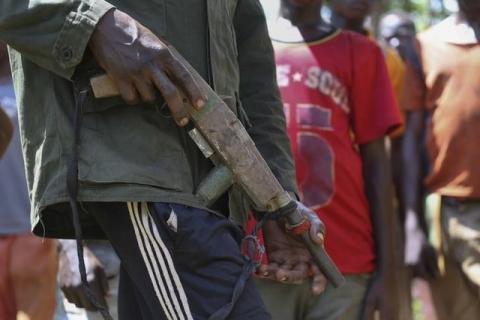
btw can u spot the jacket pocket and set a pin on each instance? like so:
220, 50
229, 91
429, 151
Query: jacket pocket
93, 104
132, 145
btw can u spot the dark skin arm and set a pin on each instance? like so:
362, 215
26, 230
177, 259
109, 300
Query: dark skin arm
411, 159
381, 294
416, 231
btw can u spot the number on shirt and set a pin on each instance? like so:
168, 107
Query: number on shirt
313, 152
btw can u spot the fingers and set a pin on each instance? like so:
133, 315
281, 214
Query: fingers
319, 282
317, 228
296, 274
268, 271
284, 273
317, 235
127, 90
172, 97
145, 87
137, 88
190, 87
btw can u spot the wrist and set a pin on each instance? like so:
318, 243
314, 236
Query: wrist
105, 22
385, 264
271, 227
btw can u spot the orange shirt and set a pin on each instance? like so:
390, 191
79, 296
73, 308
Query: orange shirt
397, 73
450, 56
396, 69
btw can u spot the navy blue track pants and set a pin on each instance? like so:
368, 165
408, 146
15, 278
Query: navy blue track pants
177, 262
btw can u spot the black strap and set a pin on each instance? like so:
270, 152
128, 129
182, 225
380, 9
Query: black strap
255, 253
80, 93
225, 311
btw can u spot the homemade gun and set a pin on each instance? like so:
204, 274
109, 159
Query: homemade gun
222, 138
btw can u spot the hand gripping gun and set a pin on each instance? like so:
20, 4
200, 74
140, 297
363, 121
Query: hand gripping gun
222, 138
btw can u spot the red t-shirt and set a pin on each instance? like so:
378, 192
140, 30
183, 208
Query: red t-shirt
337, 95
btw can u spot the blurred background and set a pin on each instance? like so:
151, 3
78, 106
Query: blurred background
423, 12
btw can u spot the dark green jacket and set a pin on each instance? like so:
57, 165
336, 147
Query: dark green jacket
135, 153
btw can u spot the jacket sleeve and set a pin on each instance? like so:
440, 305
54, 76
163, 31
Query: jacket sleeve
259, 92
52, 34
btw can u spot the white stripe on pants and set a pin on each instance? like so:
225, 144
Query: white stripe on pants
159, 263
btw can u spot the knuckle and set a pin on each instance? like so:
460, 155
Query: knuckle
165, 55
149, 98
130, 99
133, 69
187, 79
177, 113
170, 92
174, 62
184, 75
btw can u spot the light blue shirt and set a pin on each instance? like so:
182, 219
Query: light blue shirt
14, 202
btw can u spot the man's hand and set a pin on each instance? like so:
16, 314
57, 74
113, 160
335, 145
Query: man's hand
139, 63
381, 290
289, 260
427, 266
69, 276
6, 131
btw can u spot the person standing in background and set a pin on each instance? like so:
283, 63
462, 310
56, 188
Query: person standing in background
398, 29
352, 15
339, 106
450, 56
28, 264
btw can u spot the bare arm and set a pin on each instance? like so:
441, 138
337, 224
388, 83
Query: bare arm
382, 294
411, 160
418, 251
412, 180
